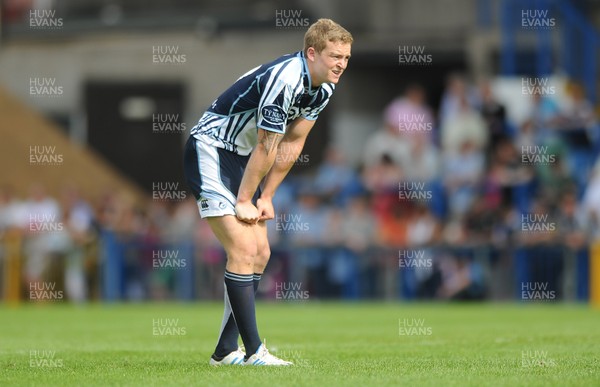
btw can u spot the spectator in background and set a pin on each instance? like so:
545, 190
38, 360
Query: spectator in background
580, 113
386, 141
182, 222
554, 178
306, 225
355, 228
465, 125
479, 221
383, 176
463, 173
410, 115
422, 162
177, 234
392, 233
462, 278
422, 235
47, 239
408, 138
507, 176
423, 228
333, 176
540, 241
590, 205
209, 257
582, 134
382, 181
575, 238
544, 117
494, 115
456, 94
527, 136
571, 223
79, 219
13, 212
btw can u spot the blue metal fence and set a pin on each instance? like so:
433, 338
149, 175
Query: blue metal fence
576, 53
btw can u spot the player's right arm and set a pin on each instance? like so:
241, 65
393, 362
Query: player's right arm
260, 162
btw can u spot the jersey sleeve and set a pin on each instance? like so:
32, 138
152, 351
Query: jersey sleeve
276, 99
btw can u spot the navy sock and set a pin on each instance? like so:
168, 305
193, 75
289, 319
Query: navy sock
240, 292
228, 340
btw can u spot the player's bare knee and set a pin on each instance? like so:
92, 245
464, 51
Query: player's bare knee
264, 253
243, 255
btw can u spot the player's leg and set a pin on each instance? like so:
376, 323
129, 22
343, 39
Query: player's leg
239, 241
263, 250
228, 339
263, 253
205, 168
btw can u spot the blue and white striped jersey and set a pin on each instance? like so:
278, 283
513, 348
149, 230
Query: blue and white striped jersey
267, 97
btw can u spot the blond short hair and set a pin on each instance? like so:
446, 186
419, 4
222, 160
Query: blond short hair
323, 31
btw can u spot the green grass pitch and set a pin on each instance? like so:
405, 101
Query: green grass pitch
333, 344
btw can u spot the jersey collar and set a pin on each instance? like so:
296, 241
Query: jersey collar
306, 75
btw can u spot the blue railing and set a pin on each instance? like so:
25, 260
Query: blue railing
579, 43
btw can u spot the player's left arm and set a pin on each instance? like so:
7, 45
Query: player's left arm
288, 150
260, 162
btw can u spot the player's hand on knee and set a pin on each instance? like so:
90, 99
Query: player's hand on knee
246, 212
265, 209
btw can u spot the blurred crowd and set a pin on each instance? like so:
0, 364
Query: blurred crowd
460, 203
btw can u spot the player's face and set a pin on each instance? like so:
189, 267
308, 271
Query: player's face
329, 64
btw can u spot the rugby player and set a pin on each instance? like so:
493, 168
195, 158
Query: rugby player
232, 168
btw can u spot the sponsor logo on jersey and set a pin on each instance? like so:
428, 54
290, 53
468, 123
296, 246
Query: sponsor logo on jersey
273, 114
